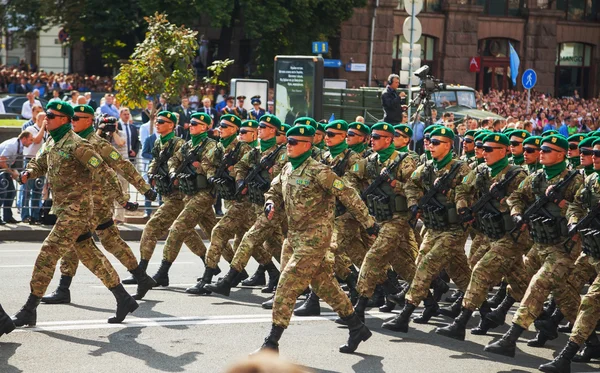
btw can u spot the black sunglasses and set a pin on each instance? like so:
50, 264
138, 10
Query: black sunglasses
244, 131
573, 146
530, 150
515, 143
376, 136
585, 151
479, 145
352, 134
468, 140
490, 149
262, 125
436, 142
596, 153
196, 123
76, 118
292, 141
161, 121
224, 125
427, 136
52, 115
547, 149
331, 134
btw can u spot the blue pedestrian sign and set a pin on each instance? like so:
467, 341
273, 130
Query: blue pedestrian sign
319, 47
529, 79
332, 63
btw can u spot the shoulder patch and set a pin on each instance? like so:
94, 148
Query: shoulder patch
63, 154
521, 184
282, 157
302, 182
414, 174
94, 162
465, 179
338, 184
114, 155
355, 167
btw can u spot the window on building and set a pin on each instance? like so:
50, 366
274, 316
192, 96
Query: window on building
580, 10
573, 64
427, 52
428, 6
501, 8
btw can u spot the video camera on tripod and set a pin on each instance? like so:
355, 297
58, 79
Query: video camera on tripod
107, 124
423, 102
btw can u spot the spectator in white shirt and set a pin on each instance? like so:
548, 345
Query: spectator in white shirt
31, 192
55, 95
27, 109
10, 151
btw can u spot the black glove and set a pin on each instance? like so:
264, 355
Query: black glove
373, 230
465, 214
21, 175
414, 210
387, 175
131, 206
572, 229
268, 209
151, 195
211, 180
239, 187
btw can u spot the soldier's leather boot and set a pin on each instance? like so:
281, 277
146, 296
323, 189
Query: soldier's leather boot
268, 304
216, 270
6, 323
484, 324
549, 326
162, 275
431, 309
274, 274
378, 299
360, 307
62, 294
440, 287
567, 328
271, 343
539, 340
131, 280
495, 300
389, 286
241, 276
457, 329
454, 296
400, 322
199, 289
358, 333
257, 279
454, 310
27, 315
399, 298
549, 308
223, 286
508, 343
591, 350
351, 281
561, 363
498, 315
125, 304
145, 283
310, 307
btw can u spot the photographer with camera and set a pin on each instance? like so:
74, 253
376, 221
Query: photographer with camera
393, 104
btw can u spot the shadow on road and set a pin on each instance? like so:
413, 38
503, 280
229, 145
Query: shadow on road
146, 310
6, 351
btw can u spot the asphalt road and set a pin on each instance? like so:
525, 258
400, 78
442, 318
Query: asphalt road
174, 332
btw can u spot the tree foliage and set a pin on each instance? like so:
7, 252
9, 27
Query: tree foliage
217, 68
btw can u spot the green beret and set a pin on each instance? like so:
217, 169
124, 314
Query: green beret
270, 119
284, 127
338, 124
588, 142
558, 140
520, 134
443, 132
167, 114
498, 138
202, 117
301, 130
306, 121
360, 127
249, 124
383, 126
533, 140
481, 136
507, 130
549, 133
231, 118
471, 133
576, 137
596, 141
87, 109
592, 134
61, 106
320, 127
430, 128
404, 129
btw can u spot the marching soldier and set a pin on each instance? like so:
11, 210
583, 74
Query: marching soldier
281, 131
516, 145
358, 138
469, 147
6, 323
257, 112
426, 156
573, 152
586, 152
317, 152
531, 153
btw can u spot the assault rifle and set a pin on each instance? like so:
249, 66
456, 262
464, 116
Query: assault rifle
193, 156
496, 193
584, 223
265, 164
382, 178
228, 161
340, 168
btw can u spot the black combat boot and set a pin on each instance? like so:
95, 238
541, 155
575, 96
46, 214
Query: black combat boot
457, 329
131, 280
257, 279
6, 323
199, 289
62, 294
561, 363
454, 310
352, 281
549, 326
400, 322
399, 298
241, 276
310, 307
216, 270
567, 328
360, 307
223, 286
268, 304
358, 333
27, 315
495, 300
439, 287
484, 324
539, 340
431, 309
508, 343
125, 304
145, 283
498, 315
274, 274
454, 296
271, 343
591, 350
162, 275
549, 308
378, 298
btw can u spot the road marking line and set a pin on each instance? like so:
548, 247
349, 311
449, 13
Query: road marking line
113, 263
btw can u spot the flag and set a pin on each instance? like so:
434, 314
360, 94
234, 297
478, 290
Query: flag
514, 64
332, 117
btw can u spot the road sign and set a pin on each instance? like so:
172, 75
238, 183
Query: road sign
529, 79
410, 4
412, 33
63, 35
356, 67
475, 64
332, 63
319, 47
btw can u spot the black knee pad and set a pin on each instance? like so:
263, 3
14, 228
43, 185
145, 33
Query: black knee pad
105, 225
84, 236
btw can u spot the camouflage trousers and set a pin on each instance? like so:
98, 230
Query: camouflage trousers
479, 246
63, 236
232, 225
395, 245
309, 264
583, 271
262, 241
109, 236
349, 244
503, 259
556, 266
589, 309
158, 226
440, 250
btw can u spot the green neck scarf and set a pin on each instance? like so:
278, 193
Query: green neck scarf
268, 144
85, 133
589, 169
337, 149
428, 155
297, 161
167, 137
253, 144
498, 166
480, 160
438, 165
554, 170
403, 149
197, 139
385, 154
470, 154
575, 161
321, 145
226, 141
533, 167
359, 148
518, 159
60, 132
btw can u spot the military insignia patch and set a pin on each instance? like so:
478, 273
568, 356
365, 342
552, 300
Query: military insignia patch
59, 106
169, 115
496, 138
465, 179
358, 127
269, 119
385, 127
282, 157
114, 155
81, 108
443, 131
307, 122
302, 182
63, 154
338, 184
521, 185
414, 174
406, 129
94, 162
302, 131
537, 142
355, 167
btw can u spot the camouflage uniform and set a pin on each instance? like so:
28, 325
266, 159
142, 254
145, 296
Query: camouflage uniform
479, 241
310, 191
71, 165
